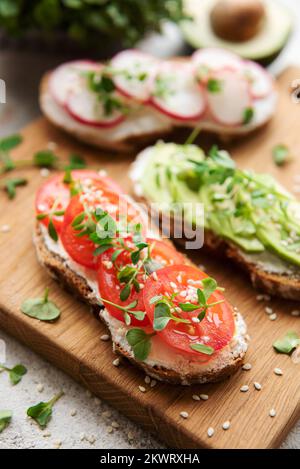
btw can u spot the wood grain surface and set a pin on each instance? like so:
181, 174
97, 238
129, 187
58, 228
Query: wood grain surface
73, 342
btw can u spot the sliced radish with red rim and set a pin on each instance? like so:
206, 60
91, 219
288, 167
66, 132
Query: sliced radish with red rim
67, 77
212, 59
175, 91
229, 99
261, 84
132, 73
86, 107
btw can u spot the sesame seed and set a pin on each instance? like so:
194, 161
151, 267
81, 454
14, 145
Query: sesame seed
46, 434
51, 145
57, 444
257, 386
273, 317
154, 275
115, 424
91, 439
82, 436
102, 173
226, 425
40, 387
130, 436
110, 429
5, 228
268, 310
97, 401
153, 383
244, 388
260, 297
116, 362
142, 388
278, 371
196, 320
272, 413
44, 172
184, 414
104, 337
88, 393
106, 414
147, 379
295, 313
246, 366
196, 397
73, 412
173, 285
210, 432
204, 397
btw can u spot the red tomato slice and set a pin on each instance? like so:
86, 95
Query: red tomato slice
55, 191
81, 249
110, 287
215, 330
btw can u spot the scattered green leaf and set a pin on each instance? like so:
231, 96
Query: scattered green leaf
214, 85
201, 348
10, 186
41, 308
5, 418
280, 154
140, 343
287, 343
248, 115
16, 373
45, 159
42, 412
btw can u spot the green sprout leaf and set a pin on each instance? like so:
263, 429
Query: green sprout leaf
162, 316
248, 115
280, 154
10, 186
201, 348
76, 162
287, 343
45, 159
214, 85
41, 308
52, 231
42, 412
140, 343
5, 418
16, 373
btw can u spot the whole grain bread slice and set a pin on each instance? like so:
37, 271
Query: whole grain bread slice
75, 283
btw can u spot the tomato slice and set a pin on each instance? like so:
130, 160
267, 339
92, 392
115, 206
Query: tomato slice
110, 287
55, 191
215, 330
119, 207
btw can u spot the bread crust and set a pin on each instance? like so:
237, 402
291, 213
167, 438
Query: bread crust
71, 281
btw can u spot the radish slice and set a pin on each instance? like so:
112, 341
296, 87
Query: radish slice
213, 59
85, 107
133, 71
261, 83
67, 77
176, 93
229, 104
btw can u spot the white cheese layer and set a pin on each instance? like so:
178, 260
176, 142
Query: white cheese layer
161, 355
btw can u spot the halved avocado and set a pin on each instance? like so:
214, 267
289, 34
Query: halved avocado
263, 47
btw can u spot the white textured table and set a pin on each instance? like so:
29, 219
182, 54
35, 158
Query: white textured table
79, 420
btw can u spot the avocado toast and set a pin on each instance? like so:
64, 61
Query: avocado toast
248, 217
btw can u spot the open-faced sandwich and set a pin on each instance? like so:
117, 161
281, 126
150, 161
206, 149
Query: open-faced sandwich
163, 313
136, 97
249, 217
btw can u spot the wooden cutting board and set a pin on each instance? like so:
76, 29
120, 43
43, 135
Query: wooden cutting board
73, 342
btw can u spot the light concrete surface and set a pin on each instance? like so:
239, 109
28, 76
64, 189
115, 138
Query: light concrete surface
94, 420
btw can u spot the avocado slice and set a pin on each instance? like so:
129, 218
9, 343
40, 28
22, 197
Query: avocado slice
263, 47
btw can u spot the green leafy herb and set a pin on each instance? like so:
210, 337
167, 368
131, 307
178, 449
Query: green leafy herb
248, 115
214, 85
42, 411
201, 348
16, 373
10, 186
287, 343
52, 230
5, 418
127, 310
104, 86
209, 286
76, 162
162, 315
280, 154
140, 342
45, 159
41, 308
6, 145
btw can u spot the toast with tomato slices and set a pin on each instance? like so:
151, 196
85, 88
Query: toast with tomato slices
136, 98
168, 318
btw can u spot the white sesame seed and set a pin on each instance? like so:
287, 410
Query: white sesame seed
147, 379
173, 285
51, 146
273, 317
196, 397
102, 173
40, 387
44, 172
153, 383
57, 444
5, 228
110, 429
130, 436
202, 267
142, 388
104, 337
246, 366
82, 436
204, 397
97, 401
88, 393
278, 371
91, 439
272, 413
184, 414
106, 414
115, 424
295, 313
154, 275
46, 434
260, 297
226, 425
244, 388
210, 432
268, 310
196, 320
116, 362
257, 386
73, 412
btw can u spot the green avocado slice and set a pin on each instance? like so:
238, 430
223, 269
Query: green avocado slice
264, 47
